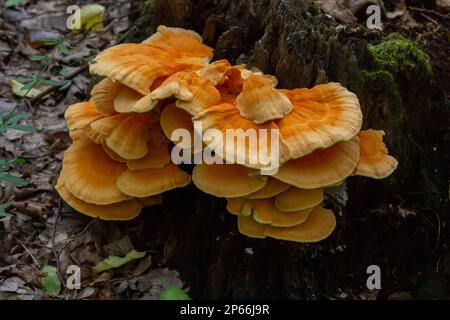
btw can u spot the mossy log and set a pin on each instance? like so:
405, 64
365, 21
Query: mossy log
292, 40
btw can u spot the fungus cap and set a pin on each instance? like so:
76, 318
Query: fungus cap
125, 100
90, 174
77, 134
245, 73
265, 212
158, 153
139, 66
215, 71
103, 95
179, 41
193, 93
227, 180
271, 189
93, 135
321, 168
81, 114
150, 182
295, 199
124, 210
237, 148
236, 205
321, 117
173, 118
375, 161
318, 226
112, 154
260, 102
232, 85
129, 138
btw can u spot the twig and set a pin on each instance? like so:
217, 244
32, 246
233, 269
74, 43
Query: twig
444, 16
30, 254
54, 88
77, 235
43, 246
429, 18
113, 19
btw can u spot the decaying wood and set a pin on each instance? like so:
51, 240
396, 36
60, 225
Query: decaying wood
302, 48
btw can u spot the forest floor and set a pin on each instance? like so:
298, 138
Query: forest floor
37, 230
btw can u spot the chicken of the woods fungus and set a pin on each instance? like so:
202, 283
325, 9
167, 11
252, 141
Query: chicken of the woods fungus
120, 159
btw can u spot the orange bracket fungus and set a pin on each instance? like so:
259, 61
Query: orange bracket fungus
123, 138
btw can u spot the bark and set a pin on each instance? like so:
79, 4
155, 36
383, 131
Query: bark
193, 233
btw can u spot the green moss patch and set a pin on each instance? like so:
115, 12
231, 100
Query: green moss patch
399, 55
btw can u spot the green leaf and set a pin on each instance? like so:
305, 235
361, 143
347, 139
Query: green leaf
10, 178
28, 86
5, 206
22, 127
91, 17
55, 82
115, 261
4, 214
19, 161
61, 47
64, 71
50, 42
41, 58
21, 90
23, 79
50, 282
12, 3
16, 118
174, 293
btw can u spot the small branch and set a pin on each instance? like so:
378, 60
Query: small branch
30, 254
429, 18
55, 88
444, 16
77, 235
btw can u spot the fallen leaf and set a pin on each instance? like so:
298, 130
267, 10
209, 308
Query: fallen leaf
334, 9
174, 293
119, 248
115, 261
18, 90
50, 281
12, 3
29, 274
12, 285
86, 293
91, 17
143, 266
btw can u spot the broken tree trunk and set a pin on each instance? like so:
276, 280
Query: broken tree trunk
292, 40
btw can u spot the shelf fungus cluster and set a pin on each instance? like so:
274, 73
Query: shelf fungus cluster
154, 93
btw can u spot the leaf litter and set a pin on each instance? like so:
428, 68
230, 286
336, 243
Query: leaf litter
41, 237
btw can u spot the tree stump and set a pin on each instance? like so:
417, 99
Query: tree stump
193, 233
